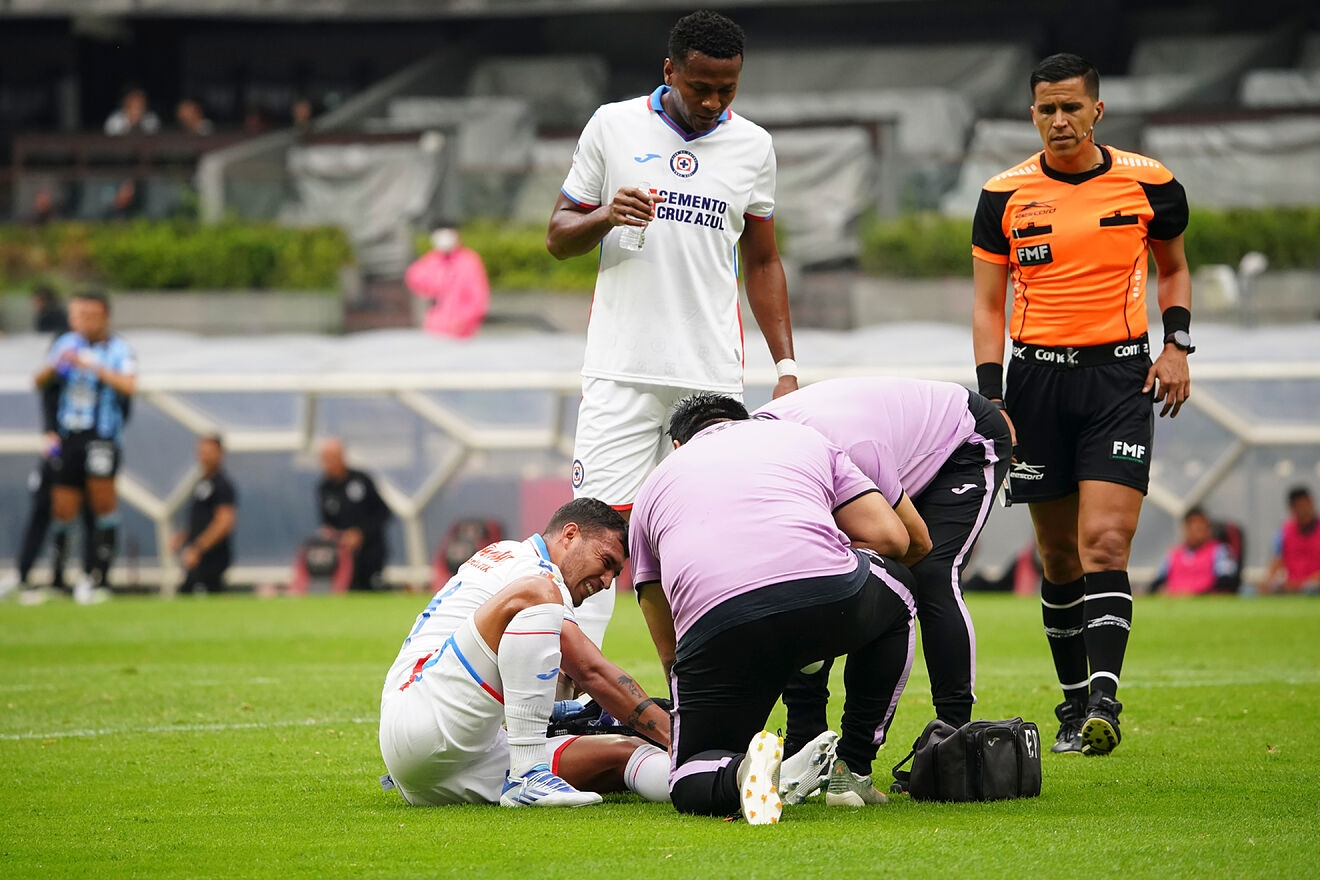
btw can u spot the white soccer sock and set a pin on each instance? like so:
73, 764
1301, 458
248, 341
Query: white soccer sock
647, 774
528, 659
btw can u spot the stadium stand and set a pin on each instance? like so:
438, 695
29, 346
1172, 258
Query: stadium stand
563, 90
1189, 71
1275, 87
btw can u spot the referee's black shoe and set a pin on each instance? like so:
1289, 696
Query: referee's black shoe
1100, 734
1071, 714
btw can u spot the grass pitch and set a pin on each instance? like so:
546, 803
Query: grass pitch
232, 737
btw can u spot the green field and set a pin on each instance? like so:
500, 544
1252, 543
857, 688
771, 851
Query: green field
235, 737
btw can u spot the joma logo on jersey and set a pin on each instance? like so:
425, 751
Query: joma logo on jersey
1128, 451
1034, 255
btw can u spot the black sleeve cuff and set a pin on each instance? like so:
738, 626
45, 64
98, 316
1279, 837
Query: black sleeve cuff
841, 505
990, 380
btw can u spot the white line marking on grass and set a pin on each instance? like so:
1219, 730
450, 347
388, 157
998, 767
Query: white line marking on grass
185, 728
1292, 680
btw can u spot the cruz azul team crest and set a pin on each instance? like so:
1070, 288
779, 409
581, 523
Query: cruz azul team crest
683, 163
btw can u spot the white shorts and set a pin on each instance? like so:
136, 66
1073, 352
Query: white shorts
442, 734
621, 437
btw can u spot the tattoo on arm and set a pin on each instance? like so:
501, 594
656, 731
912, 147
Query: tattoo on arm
627, 683
635, 719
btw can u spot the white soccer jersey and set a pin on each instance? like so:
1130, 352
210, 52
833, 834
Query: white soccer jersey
481, 577
668, 314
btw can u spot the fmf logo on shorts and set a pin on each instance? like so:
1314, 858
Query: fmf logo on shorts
577, 474
683, 163
1129, 451
1034, 255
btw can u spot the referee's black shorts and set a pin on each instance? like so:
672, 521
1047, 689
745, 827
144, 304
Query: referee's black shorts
1078, 423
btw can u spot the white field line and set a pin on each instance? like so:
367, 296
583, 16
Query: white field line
185, 728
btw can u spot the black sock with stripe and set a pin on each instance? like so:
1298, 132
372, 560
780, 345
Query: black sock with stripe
1062, 609
1108, 620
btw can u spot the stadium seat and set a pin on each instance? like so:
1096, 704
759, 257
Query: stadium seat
563, 90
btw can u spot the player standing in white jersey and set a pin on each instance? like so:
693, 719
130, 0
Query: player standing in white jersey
486, 652
665, 319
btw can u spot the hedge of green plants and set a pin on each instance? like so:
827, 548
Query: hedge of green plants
180, 255
934, 246
169, 255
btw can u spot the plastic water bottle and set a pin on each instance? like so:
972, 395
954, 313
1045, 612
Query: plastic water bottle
633, 238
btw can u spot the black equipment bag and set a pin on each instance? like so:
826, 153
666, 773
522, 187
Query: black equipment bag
980, 761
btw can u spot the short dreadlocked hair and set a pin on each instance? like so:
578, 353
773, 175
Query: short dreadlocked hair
709, 33
698, 411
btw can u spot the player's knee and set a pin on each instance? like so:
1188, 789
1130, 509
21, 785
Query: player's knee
1060, 561
1106, 549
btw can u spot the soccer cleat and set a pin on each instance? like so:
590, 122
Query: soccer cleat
9, 584
847, 789
1071, 714
1100, 734
803, 774
87, 593
34, 596
758, 779
541, 788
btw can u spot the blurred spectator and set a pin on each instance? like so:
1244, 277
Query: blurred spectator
204, 546
1021, 578
48, 316
1296, 563
133, 115
44, 208
453, 278
1200, 564
191, 119
254, 121
353, 513
127, 201
301, 113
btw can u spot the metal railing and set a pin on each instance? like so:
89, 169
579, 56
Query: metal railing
166, 393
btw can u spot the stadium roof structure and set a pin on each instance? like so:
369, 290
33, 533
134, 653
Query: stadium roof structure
354, 9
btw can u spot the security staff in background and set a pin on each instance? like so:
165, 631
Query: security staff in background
1071, 227
353, 513
204, 547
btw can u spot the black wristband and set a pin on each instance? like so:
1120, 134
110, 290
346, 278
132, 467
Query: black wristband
1176, 318
990, 380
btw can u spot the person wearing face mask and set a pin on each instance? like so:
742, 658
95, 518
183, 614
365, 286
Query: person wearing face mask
1072, 228
465, 705
453, 279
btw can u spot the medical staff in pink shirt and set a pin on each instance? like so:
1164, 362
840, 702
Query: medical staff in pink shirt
758, 548
1296, 564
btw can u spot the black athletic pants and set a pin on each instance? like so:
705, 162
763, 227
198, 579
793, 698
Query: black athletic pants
39, 516
725, 688
954, 506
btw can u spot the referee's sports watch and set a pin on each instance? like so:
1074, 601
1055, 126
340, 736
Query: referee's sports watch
1182, 340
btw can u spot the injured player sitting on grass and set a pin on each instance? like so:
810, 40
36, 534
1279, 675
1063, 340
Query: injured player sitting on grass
485, 655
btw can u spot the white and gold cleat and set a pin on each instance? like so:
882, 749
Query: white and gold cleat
758, 780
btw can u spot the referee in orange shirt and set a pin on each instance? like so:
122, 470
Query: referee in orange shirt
1072, 228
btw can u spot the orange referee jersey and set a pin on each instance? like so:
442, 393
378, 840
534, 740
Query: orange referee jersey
1076, 244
